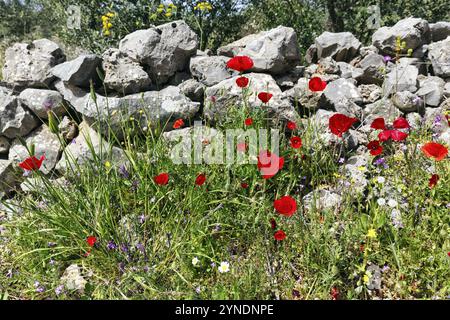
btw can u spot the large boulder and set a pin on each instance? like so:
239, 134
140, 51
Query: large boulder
80, 71
29, 65
40, 101
341, 46
372, 66
431, 90
45, 144
414, 32
440, 30
343, 96
275, 51
89, 145
439, 54
402, 77
122, 74
15, 119
193, 89
383, 108
227, 94
301, 95
154, 107
164, 50
406, 101
210, 70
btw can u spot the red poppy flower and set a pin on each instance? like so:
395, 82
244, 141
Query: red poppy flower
448, 254
375, 148
91, 241
334, 293
248, 122
273, 224
433, 180
291, 125
32, 163
316, 84
240, 63
378, 124
242, 82
269, 164
200, 180
265, 97
296, 142
162, 179
435, 150
244, 185
279, 235
285, 206
401, 123
340, 124
395, 135
178, 124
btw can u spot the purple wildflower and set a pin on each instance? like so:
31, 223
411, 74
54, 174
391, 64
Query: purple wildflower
124, 248
142, 219
123, 172
48, 105
381, 162
111, 245
38, 287
140, 247
59, 290
387, 59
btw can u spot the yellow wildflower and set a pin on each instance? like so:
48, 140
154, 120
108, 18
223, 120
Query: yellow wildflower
108, 165
366, 279
372, 234
111, 14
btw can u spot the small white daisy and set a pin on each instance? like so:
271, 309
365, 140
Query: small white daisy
381, 180
381, 202
224, 267
392, 203
195, 261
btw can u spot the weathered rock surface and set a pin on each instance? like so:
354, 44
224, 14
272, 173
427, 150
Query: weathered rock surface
414, 32
406, 101
151, 107
163, 50
15, 120
226, 94
4, 145
40, 101
431, 90
440, 30
122, 74
9, 178
275, 51
210, 70
79, 152
340, 46
372, 67
29, 65
402, 77
193, 89
46, 144
80, 71
439, 54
